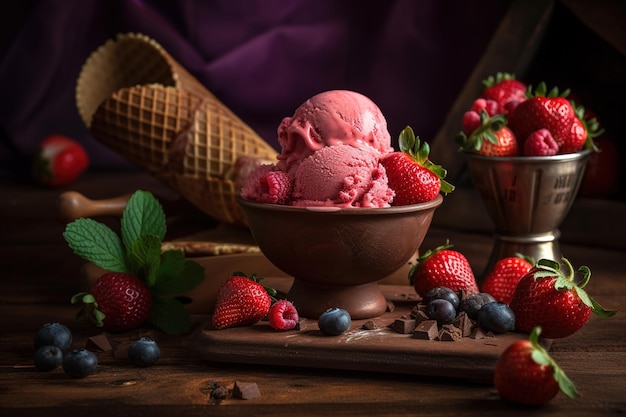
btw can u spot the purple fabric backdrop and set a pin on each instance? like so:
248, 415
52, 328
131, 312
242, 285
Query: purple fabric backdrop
262, 58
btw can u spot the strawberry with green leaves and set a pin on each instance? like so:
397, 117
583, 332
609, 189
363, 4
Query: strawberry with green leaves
492, 137
241, 301
549, 297
502, 279
411, 175
505, 90
553, 111
442, 267
526, 374
117, 302
166, 274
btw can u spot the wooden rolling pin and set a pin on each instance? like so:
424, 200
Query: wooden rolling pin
73, 205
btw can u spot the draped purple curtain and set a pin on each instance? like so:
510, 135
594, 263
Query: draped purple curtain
262, 58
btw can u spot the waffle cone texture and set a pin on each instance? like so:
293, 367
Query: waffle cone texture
137, 100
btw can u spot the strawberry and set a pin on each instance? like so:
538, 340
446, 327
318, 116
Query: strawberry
241, 301
442, 267
505, 90
526, 374
548, 297
118, 302
411, 175
491, 138
540, 143
555, 113
59, 161
501, 281
283, 315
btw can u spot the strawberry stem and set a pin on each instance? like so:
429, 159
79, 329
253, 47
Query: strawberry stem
542, 357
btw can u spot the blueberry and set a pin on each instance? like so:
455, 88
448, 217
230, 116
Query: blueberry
497, 317
441, 310
144, 352
80, 363
54, 334
334, 321
48, 358
471, 303
443, 293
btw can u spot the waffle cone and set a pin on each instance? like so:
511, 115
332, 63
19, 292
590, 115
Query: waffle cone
137, 100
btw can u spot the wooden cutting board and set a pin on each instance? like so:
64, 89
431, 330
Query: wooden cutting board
380, 350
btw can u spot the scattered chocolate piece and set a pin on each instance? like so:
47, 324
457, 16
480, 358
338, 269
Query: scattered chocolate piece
426, 330
449, 333
419, 316
463, 322
217, 392
100, 342
403, 325
390, 306
480, 333
246, 390
370, 325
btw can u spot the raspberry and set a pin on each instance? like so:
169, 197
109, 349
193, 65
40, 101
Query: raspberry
283, 315
540, 143
277, 187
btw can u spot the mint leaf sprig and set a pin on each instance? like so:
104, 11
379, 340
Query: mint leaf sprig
138, 252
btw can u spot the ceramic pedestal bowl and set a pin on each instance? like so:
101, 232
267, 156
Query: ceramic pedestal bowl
337, 255
527, 198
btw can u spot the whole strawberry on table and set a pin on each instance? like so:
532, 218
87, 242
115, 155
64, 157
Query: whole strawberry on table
551, 295
526, 374
59, 161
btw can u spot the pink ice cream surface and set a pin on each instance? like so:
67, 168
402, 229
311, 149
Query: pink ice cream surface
342, 175
331, 118
330, 152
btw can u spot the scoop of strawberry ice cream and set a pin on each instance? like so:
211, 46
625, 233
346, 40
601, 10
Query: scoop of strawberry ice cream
341, 175
331, 118
330, 155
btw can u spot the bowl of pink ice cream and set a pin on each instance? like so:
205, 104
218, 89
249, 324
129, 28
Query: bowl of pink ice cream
323, 212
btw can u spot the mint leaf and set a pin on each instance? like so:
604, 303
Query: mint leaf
144, 258
169, 315
143, 215
177, 275
96, 243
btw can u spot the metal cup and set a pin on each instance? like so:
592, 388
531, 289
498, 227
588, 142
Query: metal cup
527, 198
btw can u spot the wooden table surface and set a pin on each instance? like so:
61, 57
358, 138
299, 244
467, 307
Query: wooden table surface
39, 274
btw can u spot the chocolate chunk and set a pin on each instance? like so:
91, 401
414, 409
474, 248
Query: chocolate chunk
450, 333
480, 333
100, 342
426, 330
463, 322
246, 390
370, 325
419, 316
403, 325
217, 392
390, 306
